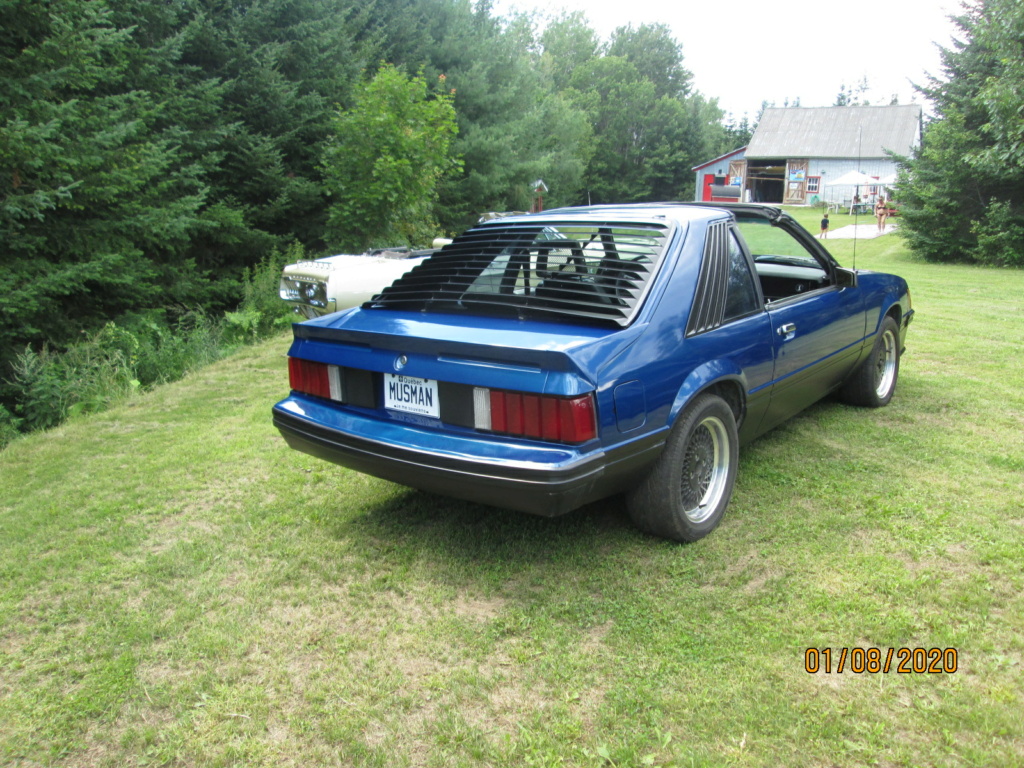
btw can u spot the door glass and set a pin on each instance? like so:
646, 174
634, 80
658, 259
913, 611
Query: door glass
770, 244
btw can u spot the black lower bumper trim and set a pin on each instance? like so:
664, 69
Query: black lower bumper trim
538, 491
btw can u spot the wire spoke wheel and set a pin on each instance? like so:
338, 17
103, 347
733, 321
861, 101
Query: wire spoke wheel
688, 488
705, 469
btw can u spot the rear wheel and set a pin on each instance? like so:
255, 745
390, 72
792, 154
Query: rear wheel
685, 494
872, 385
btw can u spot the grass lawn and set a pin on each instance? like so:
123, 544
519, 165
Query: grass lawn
178, 588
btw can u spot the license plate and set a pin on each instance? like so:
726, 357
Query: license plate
412, 395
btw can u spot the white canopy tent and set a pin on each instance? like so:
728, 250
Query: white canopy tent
888, 182
854, 179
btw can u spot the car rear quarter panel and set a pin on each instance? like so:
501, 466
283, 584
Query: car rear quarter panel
672, 368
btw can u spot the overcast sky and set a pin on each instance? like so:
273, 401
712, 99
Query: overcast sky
785, 49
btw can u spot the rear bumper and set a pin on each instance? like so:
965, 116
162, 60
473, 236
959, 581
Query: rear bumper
458, 469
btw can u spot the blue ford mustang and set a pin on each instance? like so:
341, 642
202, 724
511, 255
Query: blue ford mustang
543, 361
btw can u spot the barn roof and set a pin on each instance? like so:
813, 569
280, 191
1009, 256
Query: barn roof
718, 159
834, 132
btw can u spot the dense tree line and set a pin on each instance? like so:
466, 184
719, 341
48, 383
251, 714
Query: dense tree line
962, 193
151, 151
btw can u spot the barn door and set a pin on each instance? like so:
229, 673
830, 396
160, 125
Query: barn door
796, 182
738, 170
709, 180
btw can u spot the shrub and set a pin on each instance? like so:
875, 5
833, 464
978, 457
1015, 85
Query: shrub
168, 352
1000, 236
9, 427
86, 377
142, 349
262, 313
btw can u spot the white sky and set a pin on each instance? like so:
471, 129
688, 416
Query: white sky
787, 48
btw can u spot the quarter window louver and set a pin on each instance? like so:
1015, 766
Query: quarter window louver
709, 300
553, 269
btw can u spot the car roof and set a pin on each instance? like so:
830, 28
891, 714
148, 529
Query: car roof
680, 212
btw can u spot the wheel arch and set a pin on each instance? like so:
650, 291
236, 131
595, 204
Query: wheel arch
890, 308
719, 377
891, 305
894, 310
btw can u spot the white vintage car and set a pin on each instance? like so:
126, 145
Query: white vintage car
334, 283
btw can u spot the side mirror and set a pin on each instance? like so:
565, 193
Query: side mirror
846, 278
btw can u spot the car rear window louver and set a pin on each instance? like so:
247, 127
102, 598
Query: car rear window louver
553, 269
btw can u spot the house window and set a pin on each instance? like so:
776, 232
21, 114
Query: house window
813, 182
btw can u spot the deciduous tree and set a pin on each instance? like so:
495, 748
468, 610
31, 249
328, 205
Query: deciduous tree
657, 56
384, 160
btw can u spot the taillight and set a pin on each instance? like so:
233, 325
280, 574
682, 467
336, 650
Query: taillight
560, 419
312, 378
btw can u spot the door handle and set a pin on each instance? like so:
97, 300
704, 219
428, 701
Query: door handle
788, 328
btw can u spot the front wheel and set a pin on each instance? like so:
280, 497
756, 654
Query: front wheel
687, 490
873, 383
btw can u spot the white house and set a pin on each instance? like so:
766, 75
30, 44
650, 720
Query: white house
795, 151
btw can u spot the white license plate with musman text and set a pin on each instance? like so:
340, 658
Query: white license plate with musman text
412, 395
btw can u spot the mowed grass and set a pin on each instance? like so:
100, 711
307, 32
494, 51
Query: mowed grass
179, 588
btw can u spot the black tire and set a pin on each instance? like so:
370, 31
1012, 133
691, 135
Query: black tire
873, 383
687, 490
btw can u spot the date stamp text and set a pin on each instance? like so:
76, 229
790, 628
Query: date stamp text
903, 661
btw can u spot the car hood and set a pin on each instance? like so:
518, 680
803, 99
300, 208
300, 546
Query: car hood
350, 262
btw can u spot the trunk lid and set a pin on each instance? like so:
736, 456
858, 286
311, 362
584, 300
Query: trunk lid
525, 355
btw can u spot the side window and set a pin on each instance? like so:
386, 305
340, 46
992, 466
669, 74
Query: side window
741, 295
775, 244
784, 265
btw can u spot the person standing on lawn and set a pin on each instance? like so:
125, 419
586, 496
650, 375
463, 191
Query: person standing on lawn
881, 213
824, 227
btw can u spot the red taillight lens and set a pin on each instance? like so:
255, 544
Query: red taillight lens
577, 420
561, 419
311, 378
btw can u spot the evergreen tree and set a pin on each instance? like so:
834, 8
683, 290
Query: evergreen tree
656, 55
249, 88
738, 133
154, 150
961, 195
568, 43
620, 103
91, 201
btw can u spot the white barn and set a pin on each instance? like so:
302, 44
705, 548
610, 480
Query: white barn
795, 151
